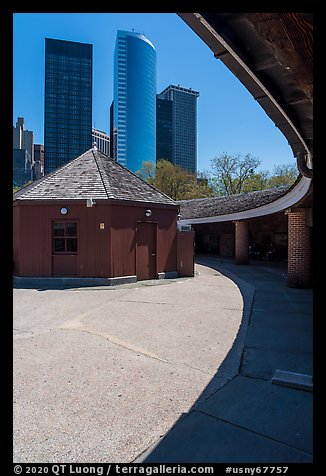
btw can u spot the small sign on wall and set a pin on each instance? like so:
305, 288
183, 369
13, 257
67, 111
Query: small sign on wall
101, 226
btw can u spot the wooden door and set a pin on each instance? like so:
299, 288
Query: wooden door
185, 253
146, 251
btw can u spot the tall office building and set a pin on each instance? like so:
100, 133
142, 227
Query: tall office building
23, 154
164, 127
134, 103
68, 101
23, 138
102, 140
39, 154
38, 169
184, 125
22, 167
113, 136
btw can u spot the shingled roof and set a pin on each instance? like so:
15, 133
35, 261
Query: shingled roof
92, 175
215, 206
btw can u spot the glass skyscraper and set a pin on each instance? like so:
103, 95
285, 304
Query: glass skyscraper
184, 125
134, 103
163, 129
68, 101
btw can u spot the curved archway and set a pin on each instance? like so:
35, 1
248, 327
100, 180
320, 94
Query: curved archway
271, 54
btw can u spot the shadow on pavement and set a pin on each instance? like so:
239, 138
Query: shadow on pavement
241, 416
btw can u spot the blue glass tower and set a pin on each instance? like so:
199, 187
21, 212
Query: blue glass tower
134, 104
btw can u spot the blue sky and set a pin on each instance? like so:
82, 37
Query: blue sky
229, 119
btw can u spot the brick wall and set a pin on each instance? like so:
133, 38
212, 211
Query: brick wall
299, 248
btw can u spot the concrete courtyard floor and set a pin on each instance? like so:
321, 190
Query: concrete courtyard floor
264, 413
102, 373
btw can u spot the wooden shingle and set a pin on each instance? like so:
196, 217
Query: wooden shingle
215, 206
92, 175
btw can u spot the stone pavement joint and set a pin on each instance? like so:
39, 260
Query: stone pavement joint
220, 337
247, 419
80, 397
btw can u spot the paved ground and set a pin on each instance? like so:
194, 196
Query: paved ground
102, 373
247, 418
165, 371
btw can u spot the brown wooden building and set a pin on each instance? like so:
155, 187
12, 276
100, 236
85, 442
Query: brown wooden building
93, 218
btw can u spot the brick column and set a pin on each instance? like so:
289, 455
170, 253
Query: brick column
299, 248
241, 242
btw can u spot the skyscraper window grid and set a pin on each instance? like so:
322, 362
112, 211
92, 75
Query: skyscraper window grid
68, 101
184, 125
163, 129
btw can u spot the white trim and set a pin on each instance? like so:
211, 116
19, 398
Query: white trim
282, 203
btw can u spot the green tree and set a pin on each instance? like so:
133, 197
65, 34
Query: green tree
177, 183
256, 181
235, 174
283, 175
232, 173
199, 187
172, 180
147, 172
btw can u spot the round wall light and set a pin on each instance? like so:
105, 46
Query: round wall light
64, 211
148, 213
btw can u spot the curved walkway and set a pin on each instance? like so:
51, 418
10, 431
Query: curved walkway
101, 373
250, 418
